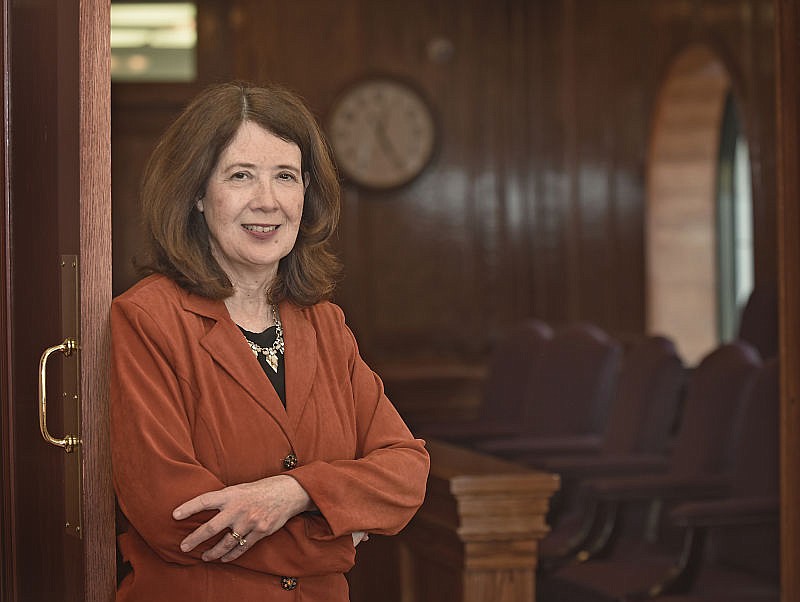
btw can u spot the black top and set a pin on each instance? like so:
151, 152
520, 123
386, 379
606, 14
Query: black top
266, 339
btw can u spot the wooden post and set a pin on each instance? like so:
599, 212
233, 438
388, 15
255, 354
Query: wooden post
788, 129
476, 536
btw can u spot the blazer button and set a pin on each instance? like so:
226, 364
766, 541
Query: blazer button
288, 583
290, 461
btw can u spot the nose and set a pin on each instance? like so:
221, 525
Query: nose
263, 198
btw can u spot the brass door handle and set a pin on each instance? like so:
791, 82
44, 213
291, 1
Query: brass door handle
69, 442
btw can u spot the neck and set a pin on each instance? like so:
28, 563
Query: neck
249, 307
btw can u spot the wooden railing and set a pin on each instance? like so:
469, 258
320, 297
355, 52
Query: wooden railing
475, 539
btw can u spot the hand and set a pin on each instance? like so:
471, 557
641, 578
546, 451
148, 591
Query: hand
359, 536
252, 510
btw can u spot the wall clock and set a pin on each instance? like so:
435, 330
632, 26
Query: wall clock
382, 133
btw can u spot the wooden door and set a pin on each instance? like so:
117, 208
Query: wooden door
57, 512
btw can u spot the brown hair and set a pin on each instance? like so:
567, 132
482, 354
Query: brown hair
178, 170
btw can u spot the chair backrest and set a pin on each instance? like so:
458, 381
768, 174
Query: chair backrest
646, 398
758, 324
755, 472
572, 393
515, 360
754, 447
714, 399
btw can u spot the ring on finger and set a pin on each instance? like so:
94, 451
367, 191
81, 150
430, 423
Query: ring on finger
240, 540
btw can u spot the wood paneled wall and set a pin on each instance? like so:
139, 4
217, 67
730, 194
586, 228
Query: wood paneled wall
534, 202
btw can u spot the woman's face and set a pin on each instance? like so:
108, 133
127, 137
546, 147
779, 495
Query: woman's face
253, 203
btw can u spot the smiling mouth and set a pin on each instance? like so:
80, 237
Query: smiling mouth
254, 228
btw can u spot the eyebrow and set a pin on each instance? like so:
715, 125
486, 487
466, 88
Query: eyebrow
238, 165
288, 166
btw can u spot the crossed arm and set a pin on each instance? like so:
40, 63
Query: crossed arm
251, 511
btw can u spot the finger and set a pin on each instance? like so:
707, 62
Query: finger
240, 548
226, 545
250, 539
211, 500
205, 531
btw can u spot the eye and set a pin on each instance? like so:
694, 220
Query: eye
240, 176
287, 176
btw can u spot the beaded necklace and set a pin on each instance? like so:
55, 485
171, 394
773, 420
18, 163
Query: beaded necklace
271, 353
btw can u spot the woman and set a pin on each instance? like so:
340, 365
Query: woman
252, 447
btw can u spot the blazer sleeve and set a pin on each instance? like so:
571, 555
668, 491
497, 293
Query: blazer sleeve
380, 490
155, 468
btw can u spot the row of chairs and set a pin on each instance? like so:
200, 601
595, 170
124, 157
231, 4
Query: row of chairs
571, 392
532, 365
633, 438
706, 523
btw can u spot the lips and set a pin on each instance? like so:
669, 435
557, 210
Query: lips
258, 228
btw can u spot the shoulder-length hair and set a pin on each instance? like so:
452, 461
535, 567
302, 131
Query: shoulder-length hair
177, 173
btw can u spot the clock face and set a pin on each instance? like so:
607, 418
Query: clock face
382, 133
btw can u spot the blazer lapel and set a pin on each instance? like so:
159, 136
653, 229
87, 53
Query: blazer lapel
226, 345
300, 339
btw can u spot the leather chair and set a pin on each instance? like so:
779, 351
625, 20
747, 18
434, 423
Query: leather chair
643, 414
567, 404
643, 409
515, 361
725, 418
758, 324
732, 545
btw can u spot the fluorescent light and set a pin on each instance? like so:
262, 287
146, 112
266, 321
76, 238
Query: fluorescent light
170, 25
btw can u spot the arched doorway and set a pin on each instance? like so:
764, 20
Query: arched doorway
692, 239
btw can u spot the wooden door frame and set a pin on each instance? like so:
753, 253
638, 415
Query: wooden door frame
788, 139
95, 300
7, 554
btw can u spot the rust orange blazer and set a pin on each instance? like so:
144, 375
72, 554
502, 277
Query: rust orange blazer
192, 411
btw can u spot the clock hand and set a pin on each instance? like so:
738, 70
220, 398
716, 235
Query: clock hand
387, 145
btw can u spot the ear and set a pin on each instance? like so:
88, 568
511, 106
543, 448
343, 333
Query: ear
306, 180
199, 204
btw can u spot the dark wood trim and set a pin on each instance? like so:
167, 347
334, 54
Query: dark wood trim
7, 554
788, 130
140, 96
95, 298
